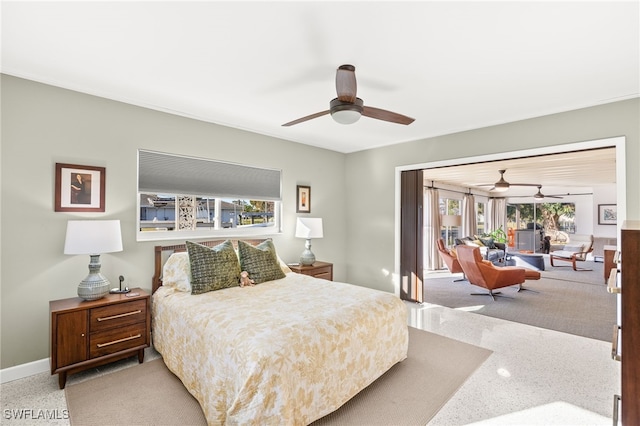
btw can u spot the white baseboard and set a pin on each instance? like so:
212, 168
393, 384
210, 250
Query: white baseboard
24, 370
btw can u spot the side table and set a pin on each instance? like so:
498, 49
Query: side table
86, 334
319, 269
609, 264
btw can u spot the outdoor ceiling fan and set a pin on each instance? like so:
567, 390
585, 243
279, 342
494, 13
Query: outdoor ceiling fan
347, 108
502, 185
539, 195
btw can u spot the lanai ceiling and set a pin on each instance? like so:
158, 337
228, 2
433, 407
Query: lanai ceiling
451, 65
572, 172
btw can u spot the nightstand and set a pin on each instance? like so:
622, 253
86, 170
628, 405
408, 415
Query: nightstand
86, 334
319, 269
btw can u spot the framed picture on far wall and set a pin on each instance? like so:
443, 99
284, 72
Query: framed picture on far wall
303, 199
607, 214
79, 188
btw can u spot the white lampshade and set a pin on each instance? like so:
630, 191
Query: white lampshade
451, 220
93, 237
310, 227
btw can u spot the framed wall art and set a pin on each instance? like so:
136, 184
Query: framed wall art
79, 188
607, 214
303, 199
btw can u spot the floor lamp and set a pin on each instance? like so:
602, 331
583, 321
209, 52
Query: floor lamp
449, 221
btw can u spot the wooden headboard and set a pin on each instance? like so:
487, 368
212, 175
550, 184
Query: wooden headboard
159, 259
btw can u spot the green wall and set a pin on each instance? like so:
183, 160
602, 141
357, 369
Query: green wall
370, 175
354, 193
43, 125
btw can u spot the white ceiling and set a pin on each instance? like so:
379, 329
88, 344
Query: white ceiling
453, 66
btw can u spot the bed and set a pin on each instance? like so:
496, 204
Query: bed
285, 351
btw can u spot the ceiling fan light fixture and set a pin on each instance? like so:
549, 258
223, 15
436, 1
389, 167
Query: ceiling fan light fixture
346, 116
538, 195
499, 187
346, 112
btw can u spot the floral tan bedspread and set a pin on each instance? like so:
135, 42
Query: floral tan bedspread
283, 352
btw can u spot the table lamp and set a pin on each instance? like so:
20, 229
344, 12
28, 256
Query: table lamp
308, 228
93, 237
449, 221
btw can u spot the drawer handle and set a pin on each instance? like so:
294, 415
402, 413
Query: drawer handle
102, 345
614, 344
120, 315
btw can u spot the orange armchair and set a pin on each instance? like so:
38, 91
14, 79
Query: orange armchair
450, 259
485, 274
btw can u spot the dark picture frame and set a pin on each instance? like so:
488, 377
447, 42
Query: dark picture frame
79, 188
303, 199
607, 214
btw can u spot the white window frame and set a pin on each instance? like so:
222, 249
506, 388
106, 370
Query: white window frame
218, 232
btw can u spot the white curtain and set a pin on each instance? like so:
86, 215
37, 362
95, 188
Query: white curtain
469, 224
496, 214
432, 227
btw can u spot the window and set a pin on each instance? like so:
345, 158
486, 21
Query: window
480, 217
185, 197
548, 216
450, 210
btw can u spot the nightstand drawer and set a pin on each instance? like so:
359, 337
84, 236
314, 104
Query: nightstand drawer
325, 272
319, 269
118, 315
111, 341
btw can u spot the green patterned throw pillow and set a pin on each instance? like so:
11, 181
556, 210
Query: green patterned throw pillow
261, 261
213, 268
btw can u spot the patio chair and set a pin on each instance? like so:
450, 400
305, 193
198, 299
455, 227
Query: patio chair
450, 259
576, 251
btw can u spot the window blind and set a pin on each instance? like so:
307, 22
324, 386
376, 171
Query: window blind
161, 173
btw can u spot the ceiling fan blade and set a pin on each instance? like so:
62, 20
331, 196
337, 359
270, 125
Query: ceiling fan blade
308, 117
346, 85
381, 114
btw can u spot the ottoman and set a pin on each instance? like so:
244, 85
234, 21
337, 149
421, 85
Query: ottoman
533, 260
529, 274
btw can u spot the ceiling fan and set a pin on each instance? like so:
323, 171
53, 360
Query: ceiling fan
539, 195
347, 108
502, 185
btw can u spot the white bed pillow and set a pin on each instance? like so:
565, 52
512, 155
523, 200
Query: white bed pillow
176, 272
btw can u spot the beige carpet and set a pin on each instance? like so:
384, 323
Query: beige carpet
410, 393
575, 302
